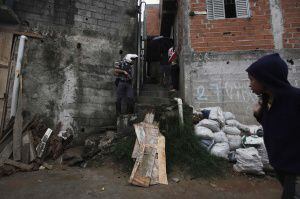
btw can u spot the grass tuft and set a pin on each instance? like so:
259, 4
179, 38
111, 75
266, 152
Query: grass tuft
182, 148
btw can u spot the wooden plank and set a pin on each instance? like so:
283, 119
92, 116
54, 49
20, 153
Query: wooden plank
142, 172
22, 166
6, 45
7, 151
151, 132
17, 131
139, 159
136, 149
3, 66
142, 176
3, 81
140, 133
7, 87
155, 172
32, 151
162, 169
149, 118
16, 30
25, 153
1, 112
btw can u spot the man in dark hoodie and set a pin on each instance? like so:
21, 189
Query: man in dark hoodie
278, 111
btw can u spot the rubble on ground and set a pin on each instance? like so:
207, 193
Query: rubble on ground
38, 144
223, 136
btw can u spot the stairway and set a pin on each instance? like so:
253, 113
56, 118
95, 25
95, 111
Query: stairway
154, 94
153, 97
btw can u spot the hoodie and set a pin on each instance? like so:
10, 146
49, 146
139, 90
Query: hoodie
281, 123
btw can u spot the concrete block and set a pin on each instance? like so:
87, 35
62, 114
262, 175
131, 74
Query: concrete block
104, 23
84, 13
80, 5
99, 4
110, 18
97, 15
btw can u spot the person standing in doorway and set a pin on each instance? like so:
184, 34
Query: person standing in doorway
123, 72
165, 67
174, 69
278, 111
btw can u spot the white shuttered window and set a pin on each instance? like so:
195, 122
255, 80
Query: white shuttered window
218, 9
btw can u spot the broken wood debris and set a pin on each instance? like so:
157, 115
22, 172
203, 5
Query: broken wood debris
37, 144
149, 152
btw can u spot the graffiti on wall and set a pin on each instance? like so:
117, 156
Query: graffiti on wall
225, 91
229, 91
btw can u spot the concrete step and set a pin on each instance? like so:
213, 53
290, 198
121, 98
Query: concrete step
153, 87
152, 100
157, 93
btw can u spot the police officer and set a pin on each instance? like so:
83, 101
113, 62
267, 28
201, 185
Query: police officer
123, 72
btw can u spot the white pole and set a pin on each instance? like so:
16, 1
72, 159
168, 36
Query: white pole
15, 93
180, 109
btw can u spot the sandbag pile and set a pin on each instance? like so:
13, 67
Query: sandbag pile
226, 135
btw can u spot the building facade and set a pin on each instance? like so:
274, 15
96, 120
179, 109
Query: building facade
218, 39
152, 17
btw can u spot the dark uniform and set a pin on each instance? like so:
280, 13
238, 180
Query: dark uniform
124, 88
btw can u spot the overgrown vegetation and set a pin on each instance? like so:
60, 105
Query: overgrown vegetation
122, 152
182, 148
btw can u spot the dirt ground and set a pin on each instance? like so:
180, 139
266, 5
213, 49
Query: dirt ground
108, 181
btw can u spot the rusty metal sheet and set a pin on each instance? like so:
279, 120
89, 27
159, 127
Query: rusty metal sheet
5, 47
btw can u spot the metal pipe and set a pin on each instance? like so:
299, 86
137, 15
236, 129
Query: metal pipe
138, 71
15, 93
143, 42
180, 110
139, 56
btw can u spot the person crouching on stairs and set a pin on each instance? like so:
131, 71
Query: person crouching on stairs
123, 73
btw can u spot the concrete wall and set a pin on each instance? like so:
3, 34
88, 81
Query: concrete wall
68, 74
214, 75
219, 79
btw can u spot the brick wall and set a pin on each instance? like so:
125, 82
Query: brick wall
291, 17
68, 74
152, 14
232, 34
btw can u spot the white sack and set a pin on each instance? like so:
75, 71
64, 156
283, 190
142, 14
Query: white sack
231, 130
220, 150
234, 141
211, 124
248, 161
220, 137
203, 132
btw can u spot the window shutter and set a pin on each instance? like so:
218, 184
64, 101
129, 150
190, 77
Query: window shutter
218, 9
209, 9
242, 8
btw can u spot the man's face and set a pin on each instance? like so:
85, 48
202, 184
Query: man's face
255, 85
133, 61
